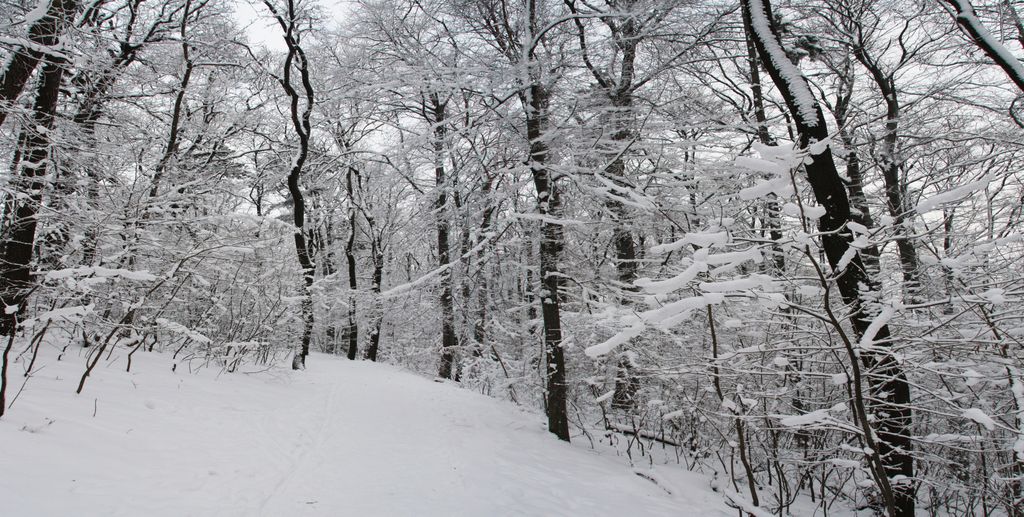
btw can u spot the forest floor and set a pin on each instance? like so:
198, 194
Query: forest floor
342, 438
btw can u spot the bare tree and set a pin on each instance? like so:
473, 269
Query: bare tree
890, 456
300, 109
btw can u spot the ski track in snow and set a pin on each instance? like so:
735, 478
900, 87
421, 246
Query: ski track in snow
342, 438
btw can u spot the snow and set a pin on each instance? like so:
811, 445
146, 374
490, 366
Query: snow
772, 300
699, 239
606, 397
1017, 389
746, 505
814, 212
761, 165
980, 417
37, 13
879, 321
966, 14
533, 216
737, 284
806, 106
699, 264
781, 187
857, 228
807, 419
341, 438
178, 328
994, 295
99, 272
956, 194
672, 284
845, 260
664, 318
675, 312
735, 257
845, 463
75, 313
617, 340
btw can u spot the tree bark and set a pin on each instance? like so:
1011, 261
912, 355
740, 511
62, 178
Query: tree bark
177, 108
895, 190
300, 115
449, 341
860, 211
375, 287
352, 331
968, 20
42, 33
549, 207
618, 117
483, 287
20, 215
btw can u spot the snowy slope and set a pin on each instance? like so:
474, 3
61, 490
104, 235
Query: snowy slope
343, 438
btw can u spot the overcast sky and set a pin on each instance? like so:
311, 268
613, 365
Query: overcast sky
253, 15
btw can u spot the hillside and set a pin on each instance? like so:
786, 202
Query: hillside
342, 438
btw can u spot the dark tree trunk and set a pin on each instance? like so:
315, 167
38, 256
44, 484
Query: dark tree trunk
449, 341
622, 236
483, 287
860, 211
178, 112
895, 191
20, 213
772, 211
378, 319
352, 330
300, 109
20, 216
627, 34
178, 109
520, 47
86, 118
549, 206
43, 33
992, 47
888, 384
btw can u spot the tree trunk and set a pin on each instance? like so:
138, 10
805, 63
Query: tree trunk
178, 107
483, 287
549, 207
860, 211
296, 58
352, 331
888, 384
449, 341
20, 215
895, 191
378, 318
772, 210
987, 42
42, 34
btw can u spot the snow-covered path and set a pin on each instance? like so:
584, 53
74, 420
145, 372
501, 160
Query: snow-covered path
342, 438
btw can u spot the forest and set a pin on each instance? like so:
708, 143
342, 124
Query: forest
779, 239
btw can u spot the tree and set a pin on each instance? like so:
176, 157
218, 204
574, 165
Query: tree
45, 24
20, 214
890, 456
300, 109
968, 20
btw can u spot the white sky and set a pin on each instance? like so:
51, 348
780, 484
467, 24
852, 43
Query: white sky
253, 15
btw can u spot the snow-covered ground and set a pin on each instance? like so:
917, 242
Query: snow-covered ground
342, 438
